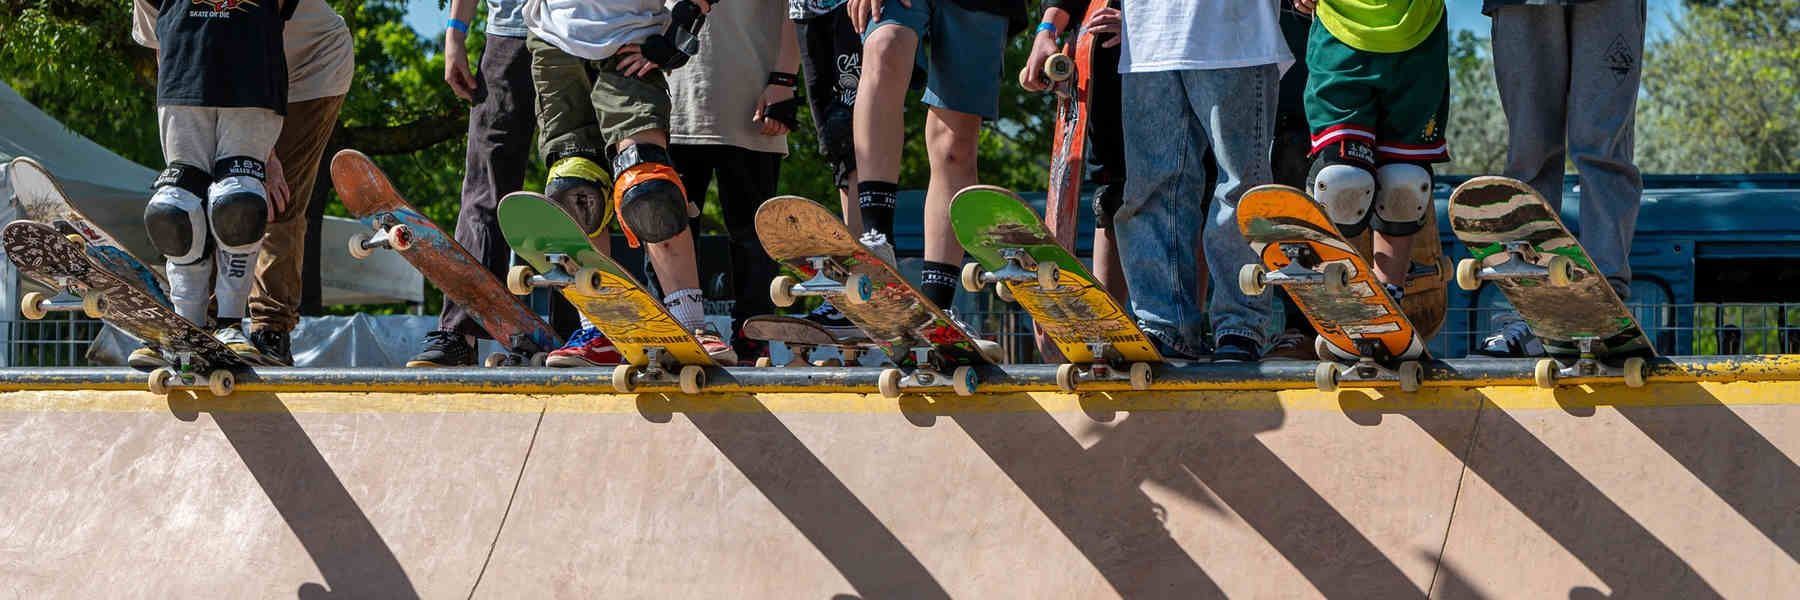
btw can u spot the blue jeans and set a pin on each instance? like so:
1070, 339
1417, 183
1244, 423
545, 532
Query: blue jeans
1177, 118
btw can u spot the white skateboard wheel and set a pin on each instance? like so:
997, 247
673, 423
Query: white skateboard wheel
971, 277
963, 381
693, 378
1544, 373
781, 290
221, 382
1065, 378
1325, 377
624, 378
400, 238
1140, 376
1412, 375
159, 380
1250, 280
1468, 274
359, 248
32, 305
588, 281
859, 289
889, 383
1046, 276
1337, 278
1635, 371
518, 280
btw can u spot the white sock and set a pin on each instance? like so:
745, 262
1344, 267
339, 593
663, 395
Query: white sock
586, 323
688, 307
232, 286
190, 289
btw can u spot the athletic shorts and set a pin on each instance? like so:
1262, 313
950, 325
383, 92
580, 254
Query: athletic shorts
1396, 102
586, 106
967, 51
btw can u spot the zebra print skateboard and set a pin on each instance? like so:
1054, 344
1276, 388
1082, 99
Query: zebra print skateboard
1517, 241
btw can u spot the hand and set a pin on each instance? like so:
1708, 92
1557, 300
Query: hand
1032, 76
633, 63
771, 94
1306, 7
1108, 20
456, 66
276, 186
864, 12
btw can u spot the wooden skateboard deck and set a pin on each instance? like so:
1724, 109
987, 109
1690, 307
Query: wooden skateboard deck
1285, 227
1488, 213
991, 221
896, 316
801, 337
1071, 77
1427, 286
619, 306
42, 199
372, 198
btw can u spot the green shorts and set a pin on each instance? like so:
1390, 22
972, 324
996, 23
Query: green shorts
1396, 102
586, 106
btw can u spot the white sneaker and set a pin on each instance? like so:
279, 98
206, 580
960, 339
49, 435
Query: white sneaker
878, 245
989, 350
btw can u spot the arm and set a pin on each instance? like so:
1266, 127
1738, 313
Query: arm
778, 110
456, 55
1043, 45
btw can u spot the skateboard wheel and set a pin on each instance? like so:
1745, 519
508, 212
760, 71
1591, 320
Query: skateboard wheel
1059, 67
94, 305
889, 383
540, 359
1468, 274
1411, 374
781, 290
859, 289
623, 378
693, 378
588, 281
400, 238
1325, 377
159, 380
1250, 280
971, 277
76, 237
1046, 274
1065, 378
494, 360
221, 383
963, 381
1544, 373
1140, 376
518, 280
1635, 369
1337, 278
359, 248
763, 361
1003, 291
1562, 270
32, 305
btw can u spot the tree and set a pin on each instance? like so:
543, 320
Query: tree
1722, 90
1477, 127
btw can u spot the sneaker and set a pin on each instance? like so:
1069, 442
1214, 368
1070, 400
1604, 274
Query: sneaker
878, 245
1236, 348
1511, 338
1394, 291
275, 346
1291, 345
444, 349
1170, 346
233, 337
988, 349
833, 320
715, 346
146, 357
587, 348
746, 349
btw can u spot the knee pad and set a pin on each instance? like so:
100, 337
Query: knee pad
237, 204
581, 186
836, 140
1402, 199
1107, 198
648, 196
1344, 185
175, 218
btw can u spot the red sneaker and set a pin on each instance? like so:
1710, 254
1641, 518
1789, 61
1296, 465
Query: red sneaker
587, 348
715, 346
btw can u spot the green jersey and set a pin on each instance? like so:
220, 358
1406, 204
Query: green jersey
1384, 26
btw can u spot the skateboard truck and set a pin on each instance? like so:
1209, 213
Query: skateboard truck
1521, 263
1304, 267
1587, 364
521, 352
1020, 267
184, 374
35, 305
1104, 368
564, 272
1369, 366
926, 374
856, 288
659, 367
388, 234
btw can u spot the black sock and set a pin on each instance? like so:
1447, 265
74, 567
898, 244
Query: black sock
938, 282
875, 200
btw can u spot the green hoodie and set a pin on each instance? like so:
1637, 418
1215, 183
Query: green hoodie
1385, 26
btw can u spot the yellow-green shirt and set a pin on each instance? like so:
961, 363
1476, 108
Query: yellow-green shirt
1385, 26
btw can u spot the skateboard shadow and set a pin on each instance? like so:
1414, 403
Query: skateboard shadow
351, 555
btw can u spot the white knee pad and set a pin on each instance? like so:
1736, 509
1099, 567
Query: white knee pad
1347, 192
175, 218
237, 204
1403, 199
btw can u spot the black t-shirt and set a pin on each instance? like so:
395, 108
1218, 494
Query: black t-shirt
222, 54
1013, 10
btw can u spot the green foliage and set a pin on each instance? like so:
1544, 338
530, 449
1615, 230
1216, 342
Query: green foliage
75, 60
1477, 127
1722, 90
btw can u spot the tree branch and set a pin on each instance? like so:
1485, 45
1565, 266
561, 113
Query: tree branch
404, 138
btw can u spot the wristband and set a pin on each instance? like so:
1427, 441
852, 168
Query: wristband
458, 25
785, 79
1048, 26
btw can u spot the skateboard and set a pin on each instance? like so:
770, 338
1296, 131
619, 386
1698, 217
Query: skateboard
1070, 80
802, 337
559, 254
398, 226
923, 342
1428, 280
1518, 242
1017, 252
42, 199
1363, 334
68, 262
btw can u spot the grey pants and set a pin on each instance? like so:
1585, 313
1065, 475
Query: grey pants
1568, 78
202, 136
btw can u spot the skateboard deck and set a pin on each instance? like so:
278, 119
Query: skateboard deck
802, 337
397, 225
1427, 286
1012, 248
812, 240
1329, 280
561, 254
1071, 78
1518, 242
42, 199
80, 268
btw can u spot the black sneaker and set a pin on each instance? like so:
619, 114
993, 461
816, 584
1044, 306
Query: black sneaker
1511, 338
1236, 348
276, 346
834, 321
444, 349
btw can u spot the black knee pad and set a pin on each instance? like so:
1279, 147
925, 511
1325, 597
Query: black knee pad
1107, 198
175, 217
837, 142
237, 203
648, 195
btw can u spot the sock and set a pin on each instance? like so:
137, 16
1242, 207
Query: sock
875, 200
189, 289
586, 323
938, 282
688, 307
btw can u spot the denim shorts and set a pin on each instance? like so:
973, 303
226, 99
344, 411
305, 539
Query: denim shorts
967, 53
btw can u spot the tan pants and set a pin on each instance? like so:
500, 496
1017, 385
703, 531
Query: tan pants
275, 297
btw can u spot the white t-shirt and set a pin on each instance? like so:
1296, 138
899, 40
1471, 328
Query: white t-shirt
321, 55
592, 29
1193, 35
715, 94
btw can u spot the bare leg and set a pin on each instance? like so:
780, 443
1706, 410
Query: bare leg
951, 140
881, 101
1393, 257
847, 201
1107, 269
673, 258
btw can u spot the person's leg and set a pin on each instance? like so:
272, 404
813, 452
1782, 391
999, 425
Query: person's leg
696, 165
951, 140
962, 87
1238, 109
276, 293
1160, 217
175, 217
1106, 168
890, 48
831, 54
1415, 105
237, 213
1606, 60
747, 179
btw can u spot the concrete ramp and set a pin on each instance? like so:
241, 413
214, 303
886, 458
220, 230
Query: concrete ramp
1681, 489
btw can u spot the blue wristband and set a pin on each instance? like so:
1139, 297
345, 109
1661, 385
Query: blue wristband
459, 25
1048, 26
